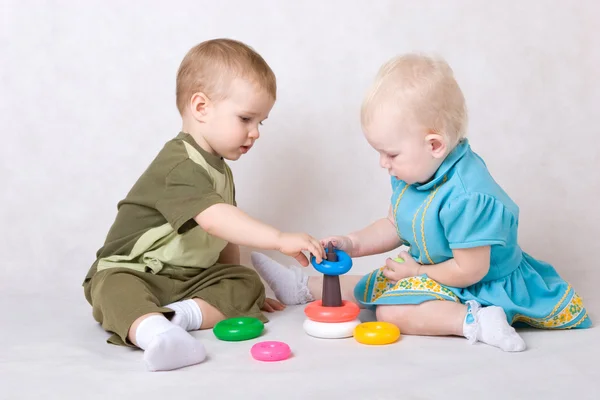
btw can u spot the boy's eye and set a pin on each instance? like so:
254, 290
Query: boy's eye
248, 119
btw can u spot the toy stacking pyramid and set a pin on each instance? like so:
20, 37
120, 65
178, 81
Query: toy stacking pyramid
332, 317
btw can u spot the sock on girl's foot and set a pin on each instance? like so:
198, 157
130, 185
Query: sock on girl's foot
489, 325
187, 314
167, 346
290, 284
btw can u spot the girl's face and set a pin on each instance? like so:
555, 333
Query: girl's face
406, 149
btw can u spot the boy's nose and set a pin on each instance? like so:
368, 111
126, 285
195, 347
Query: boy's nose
254, 134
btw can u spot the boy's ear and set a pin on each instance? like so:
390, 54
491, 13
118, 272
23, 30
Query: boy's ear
437, 144
199, 105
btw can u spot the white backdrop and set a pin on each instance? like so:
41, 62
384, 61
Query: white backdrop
87, 99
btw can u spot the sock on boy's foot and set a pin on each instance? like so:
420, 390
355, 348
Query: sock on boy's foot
167, 346
187, 314
489, 325
290, 284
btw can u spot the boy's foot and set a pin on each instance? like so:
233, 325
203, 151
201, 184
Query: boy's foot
167, 346
290, 284
489, 325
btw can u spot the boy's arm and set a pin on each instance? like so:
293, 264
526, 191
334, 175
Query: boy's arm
379, 237
235, 226
230, 254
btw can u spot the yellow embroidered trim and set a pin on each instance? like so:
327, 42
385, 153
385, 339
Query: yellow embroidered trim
414, 285
569, 312
437, 296
580, 321
415, 233
367, 286
555, 309
431, 196
396, 209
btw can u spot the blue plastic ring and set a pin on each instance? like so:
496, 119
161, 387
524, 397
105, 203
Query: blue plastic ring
339, 267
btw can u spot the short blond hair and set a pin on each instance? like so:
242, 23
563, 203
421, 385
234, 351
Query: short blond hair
420, 87
210, 66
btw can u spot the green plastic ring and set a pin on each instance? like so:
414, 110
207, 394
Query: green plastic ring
237, 329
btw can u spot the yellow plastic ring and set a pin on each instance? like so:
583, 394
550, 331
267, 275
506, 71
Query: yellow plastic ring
376, 333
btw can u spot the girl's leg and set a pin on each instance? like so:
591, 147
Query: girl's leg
442, 318
432, 318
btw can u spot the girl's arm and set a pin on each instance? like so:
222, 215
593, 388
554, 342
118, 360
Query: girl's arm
379, 237
467, 267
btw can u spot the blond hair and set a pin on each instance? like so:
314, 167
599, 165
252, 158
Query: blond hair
423, 88
210, 66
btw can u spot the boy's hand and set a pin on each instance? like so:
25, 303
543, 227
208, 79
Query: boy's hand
272, 305
343, 243
293, 244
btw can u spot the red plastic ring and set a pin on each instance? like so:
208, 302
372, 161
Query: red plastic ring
348, 311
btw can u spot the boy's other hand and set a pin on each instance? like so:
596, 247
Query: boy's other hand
272, 305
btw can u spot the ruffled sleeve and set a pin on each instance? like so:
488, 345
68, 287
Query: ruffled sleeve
475, 219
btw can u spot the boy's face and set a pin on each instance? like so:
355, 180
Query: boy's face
405, 149
232, 125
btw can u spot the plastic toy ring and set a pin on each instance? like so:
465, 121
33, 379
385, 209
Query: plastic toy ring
237, 329
339, 267
270, 351
376, 333
326, 330
347, 312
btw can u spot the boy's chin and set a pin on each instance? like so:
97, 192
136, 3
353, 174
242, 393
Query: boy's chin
232, 156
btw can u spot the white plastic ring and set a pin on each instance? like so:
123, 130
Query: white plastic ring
325, 330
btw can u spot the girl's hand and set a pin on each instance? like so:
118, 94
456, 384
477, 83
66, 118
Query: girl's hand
396, 271
343, 243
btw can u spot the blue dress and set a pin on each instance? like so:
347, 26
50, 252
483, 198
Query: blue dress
463, 207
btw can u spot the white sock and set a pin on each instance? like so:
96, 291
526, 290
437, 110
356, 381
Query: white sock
187, 314
167, 346
290, 284
489, 325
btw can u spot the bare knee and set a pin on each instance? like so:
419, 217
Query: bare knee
210, 314
392, 314
403, 316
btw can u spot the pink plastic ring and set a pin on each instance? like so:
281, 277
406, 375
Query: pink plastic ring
270, 351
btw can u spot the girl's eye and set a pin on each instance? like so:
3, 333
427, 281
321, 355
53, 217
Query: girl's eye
245, 119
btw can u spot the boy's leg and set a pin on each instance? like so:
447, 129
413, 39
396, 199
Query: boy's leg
219, 292
441, 318
126, 303
291, 284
